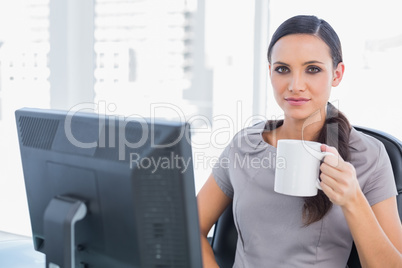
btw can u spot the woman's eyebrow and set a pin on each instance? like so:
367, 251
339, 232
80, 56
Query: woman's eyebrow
306, 63
312, 62
281, 63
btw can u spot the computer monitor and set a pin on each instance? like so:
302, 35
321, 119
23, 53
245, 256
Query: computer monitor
109, 191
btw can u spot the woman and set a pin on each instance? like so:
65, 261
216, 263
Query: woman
357, 202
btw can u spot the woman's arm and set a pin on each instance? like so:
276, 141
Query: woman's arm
376, 230
377, 235
212, 201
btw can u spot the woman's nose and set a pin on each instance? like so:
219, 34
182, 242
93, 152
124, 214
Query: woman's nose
297, 83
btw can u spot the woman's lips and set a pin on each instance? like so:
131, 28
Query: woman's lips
297, 101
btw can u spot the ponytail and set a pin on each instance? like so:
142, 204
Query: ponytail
335, 133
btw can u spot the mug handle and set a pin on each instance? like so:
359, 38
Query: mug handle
323, 154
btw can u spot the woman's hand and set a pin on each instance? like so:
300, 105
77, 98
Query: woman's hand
338, 179
376, 230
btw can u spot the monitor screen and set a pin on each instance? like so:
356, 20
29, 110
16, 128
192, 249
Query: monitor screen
109, 191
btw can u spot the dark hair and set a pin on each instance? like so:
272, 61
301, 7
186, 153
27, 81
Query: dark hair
303, 24
336, 129
335, 133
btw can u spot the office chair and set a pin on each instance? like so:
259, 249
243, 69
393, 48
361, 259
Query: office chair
225, 234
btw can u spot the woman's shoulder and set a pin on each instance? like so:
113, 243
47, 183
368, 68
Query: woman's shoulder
249, 138
361, 142
251, 132
366, 151
373, 167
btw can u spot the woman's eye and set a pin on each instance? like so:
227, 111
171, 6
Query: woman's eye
281, 69
313, 69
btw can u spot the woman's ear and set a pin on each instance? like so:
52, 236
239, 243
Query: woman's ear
269, 70
338, 74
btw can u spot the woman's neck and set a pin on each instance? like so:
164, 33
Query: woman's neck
299, 130
307, 129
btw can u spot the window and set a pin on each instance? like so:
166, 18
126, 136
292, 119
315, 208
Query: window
24, 46
145, 53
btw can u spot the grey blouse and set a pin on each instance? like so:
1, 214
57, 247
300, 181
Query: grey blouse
270, 227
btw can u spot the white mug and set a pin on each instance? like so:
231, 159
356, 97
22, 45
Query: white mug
297, 167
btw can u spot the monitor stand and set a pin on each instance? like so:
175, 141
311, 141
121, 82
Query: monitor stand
60, 217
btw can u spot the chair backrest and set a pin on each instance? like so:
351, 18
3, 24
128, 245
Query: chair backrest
225, 234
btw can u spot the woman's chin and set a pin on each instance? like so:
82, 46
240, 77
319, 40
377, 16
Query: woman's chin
304, 116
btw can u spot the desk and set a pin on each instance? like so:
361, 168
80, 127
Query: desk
17, 251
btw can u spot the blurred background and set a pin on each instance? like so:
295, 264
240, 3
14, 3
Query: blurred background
203, 61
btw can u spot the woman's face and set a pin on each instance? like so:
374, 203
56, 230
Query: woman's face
302, 75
